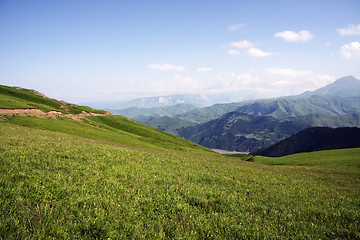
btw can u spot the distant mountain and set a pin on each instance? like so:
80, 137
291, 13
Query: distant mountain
254, 124
162, 101
170, 111
198, 100
339, 98
288, 107
242, 132
234, 131
167, 124
344, 87
314, 139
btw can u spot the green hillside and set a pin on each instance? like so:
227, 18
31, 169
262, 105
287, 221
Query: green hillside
62, 186
111, 129
314, 139
14, 97
340, 158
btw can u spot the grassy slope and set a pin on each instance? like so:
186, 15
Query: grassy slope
57, 185
342, 158
111, 129
11, 97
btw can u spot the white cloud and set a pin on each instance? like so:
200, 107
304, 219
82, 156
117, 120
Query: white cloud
350, 51
291, 80
251, 51
233, 52
350, 30
203, 69
231, 81
236, 27
255, 52
166, 67
290, 36
287, 72
184, 81
242, 44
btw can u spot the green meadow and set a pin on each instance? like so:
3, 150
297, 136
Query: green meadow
62, 179
338, 159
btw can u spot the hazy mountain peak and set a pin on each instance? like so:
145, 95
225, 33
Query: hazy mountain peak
343, 87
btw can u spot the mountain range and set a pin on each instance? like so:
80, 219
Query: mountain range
337, 98
251, 125
242, 132
199, 100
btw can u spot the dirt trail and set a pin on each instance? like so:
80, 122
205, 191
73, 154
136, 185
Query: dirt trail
33, 112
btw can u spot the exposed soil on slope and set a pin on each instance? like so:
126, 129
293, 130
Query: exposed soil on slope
33, 112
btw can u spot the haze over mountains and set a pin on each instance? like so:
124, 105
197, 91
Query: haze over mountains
198, 100
251, 125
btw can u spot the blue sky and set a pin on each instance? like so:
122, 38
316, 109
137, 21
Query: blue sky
82, 51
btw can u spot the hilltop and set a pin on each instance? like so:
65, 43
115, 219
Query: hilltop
343, 87
314, 139
21, 98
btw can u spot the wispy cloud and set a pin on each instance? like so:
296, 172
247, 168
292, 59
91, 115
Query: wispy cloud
242, 44
350, 30
287, 72
300, 80
166, 67
327, 44
251, 51
290, 36
233, 52
231, 80
236, 27
255, 52
203, 69
350, 51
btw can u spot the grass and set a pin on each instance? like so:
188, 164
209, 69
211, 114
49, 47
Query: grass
111, 129
342, 158
63, 185
242, 156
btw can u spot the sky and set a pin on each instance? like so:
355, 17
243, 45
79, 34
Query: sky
91, 51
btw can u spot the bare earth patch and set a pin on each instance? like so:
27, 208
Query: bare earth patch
33, 112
